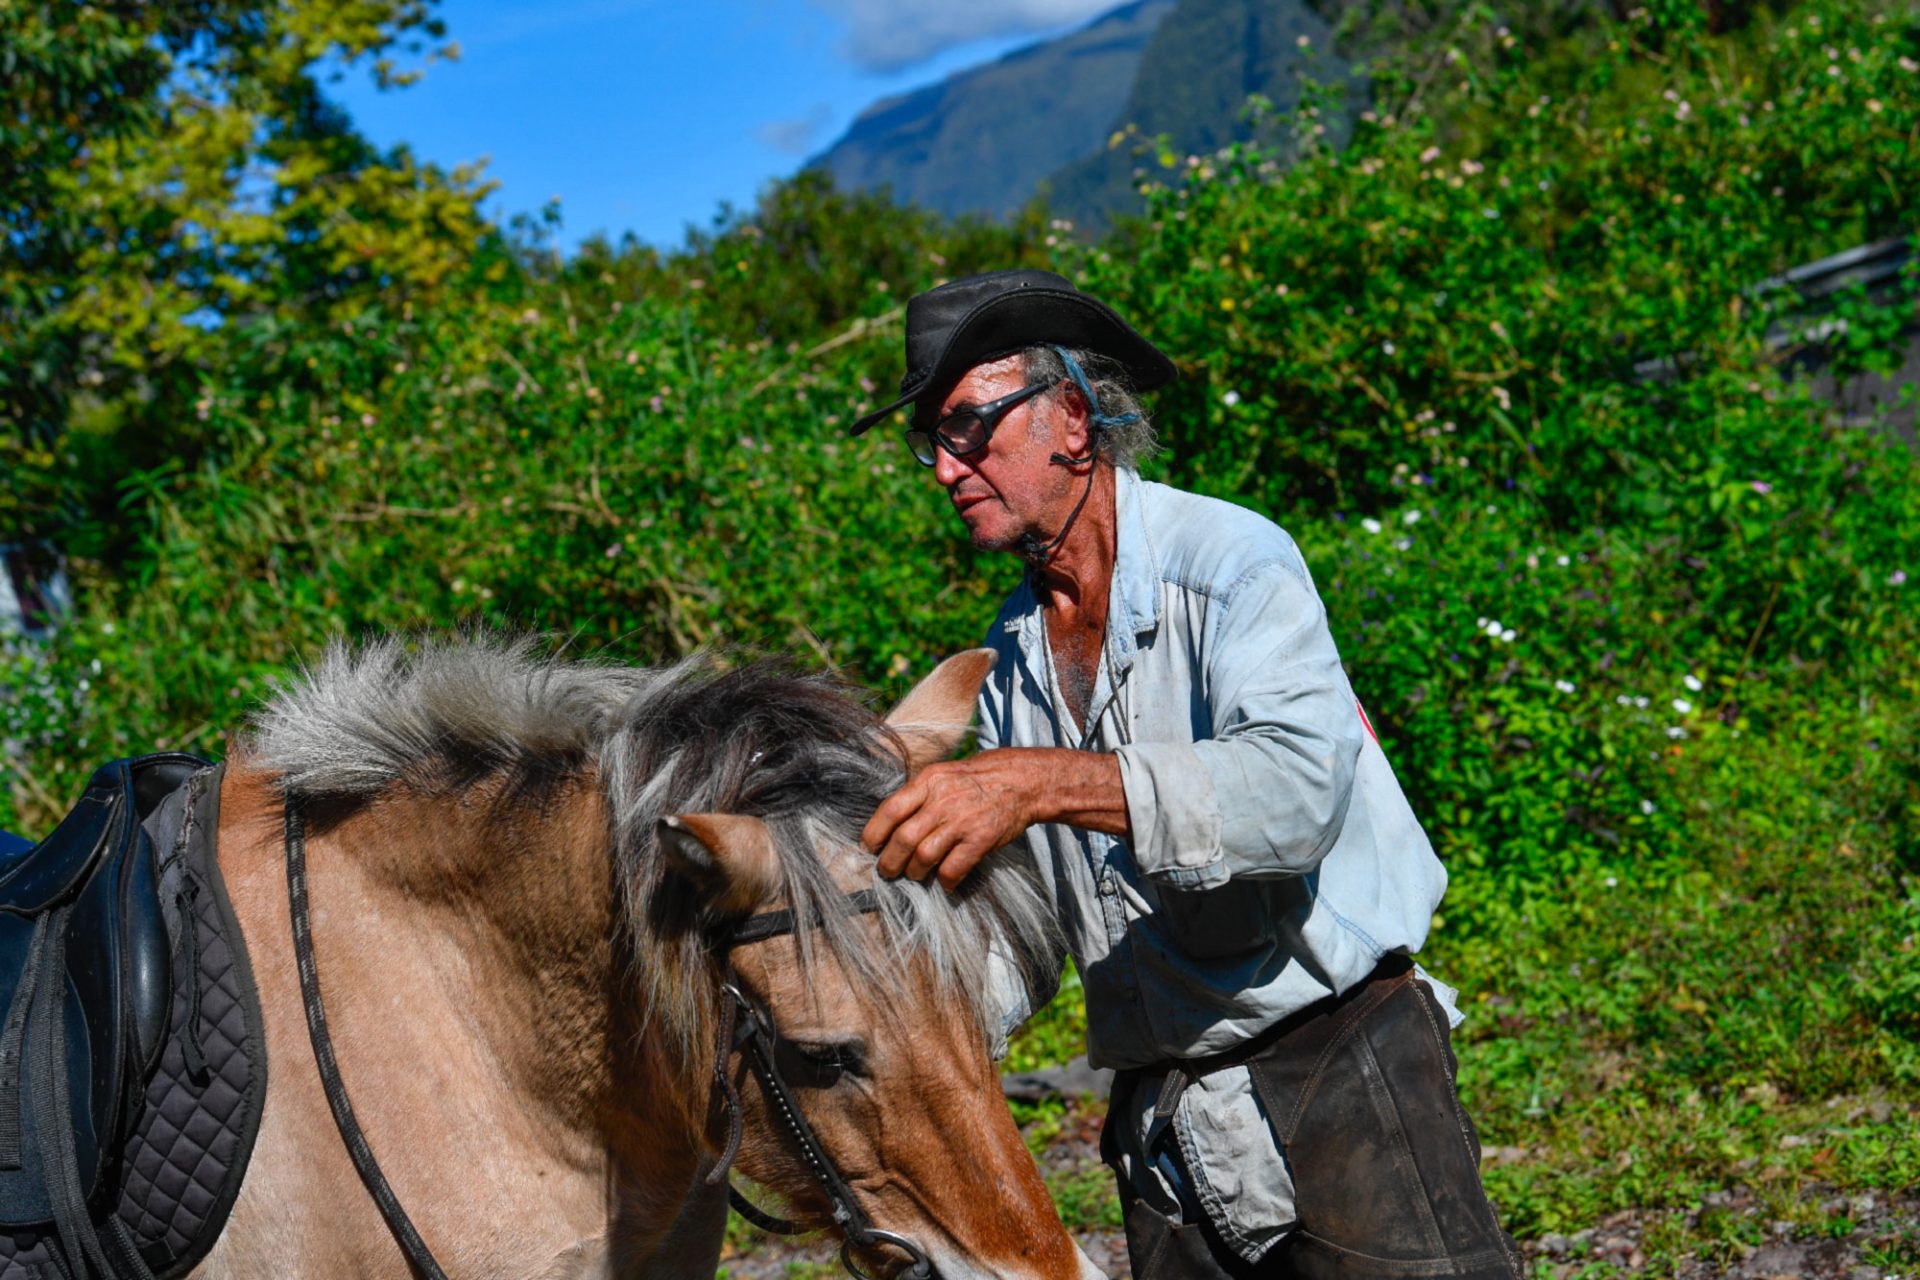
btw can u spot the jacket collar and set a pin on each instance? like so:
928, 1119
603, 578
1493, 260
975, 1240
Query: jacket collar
1133, 606
1133, 603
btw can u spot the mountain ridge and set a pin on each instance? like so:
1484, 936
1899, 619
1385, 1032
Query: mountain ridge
985, 141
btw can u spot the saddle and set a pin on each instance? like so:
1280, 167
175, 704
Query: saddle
86, 982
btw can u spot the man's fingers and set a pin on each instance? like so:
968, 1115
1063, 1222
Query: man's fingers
902, 844
894, 810
930, 851
959, 864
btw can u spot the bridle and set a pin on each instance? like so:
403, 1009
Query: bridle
745, 1029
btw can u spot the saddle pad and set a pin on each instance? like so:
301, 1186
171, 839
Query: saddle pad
178, 1176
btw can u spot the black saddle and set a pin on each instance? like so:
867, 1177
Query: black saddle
85, 981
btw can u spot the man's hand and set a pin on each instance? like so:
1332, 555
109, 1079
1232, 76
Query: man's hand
949, 816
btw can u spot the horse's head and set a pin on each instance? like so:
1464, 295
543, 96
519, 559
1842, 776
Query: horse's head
878, 998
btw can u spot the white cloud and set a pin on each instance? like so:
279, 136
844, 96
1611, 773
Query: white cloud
891, 35
796, 137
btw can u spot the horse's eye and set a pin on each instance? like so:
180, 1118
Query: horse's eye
821, 1065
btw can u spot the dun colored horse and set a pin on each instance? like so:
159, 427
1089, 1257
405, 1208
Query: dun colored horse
517, 870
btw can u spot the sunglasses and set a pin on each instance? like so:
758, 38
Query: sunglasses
966, 431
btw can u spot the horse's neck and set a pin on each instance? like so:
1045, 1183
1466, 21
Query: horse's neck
492, 919
474, 994
517, 903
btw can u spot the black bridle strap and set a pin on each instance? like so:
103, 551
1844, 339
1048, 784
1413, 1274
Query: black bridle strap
778, 924
754, 1037
418, 1255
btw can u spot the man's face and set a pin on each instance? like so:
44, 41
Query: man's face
1009, 488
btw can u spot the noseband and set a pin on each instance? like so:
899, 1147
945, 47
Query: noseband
748, 1031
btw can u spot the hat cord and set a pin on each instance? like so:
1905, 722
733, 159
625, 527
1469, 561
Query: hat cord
1030, 546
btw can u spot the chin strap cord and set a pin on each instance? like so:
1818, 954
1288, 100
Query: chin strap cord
1032, 549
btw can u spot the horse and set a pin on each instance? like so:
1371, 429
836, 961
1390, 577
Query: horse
518, 867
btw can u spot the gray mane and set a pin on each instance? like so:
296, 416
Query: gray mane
796, 750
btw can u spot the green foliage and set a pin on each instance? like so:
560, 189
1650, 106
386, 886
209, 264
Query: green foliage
172, 171
1629, 608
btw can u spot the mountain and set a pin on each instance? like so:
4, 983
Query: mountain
983, 140
988, 139
1192, 85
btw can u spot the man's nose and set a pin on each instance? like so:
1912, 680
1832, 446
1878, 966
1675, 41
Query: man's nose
947, 469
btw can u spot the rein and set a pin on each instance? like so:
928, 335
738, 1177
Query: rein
751, 1033
402, 1227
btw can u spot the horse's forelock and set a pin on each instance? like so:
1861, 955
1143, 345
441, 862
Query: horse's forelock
802, 753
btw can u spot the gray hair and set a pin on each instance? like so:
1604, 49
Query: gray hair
798, 751
1126, 445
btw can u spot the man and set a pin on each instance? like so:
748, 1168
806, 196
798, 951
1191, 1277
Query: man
1237, 873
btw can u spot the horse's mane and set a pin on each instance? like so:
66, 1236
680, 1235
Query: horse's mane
800, 751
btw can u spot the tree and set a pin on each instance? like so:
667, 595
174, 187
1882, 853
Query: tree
173, 172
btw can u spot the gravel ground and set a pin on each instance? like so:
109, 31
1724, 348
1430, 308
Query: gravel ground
1882, 1227
1865, 1236
1870, 1230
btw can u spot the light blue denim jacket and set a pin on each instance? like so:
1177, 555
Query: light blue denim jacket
1274, 858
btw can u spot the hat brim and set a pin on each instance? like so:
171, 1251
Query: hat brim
1024, 318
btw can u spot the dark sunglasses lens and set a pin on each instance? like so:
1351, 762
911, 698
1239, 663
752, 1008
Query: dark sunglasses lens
921, 444
963, 434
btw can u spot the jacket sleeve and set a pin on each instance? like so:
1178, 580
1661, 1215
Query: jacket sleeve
1266, 795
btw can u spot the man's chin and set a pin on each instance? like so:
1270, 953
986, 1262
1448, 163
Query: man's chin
991, 537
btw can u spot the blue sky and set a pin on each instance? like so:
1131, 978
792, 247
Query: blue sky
645, 115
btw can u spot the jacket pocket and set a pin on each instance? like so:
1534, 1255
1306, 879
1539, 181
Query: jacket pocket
1216, 924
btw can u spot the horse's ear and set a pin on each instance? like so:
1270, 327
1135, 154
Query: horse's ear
728, 855
933, 718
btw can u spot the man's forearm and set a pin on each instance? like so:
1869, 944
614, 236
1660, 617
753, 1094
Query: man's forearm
1078, 788
948, 816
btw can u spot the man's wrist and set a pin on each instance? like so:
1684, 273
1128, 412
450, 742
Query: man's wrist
1079, 788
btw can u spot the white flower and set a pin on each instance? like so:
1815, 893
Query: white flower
1675, 731
1506, 637
1612, 881
1387, 347
1562, 561
1646, 807
1682, 705
1640, 703
1370, 525
1493, 628
1692, 682
1230, 399
1564, 686
1624, 700
1412, 517
1480, 624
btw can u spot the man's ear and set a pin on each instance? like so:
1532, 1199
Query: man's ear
1079, 419
933, 718
729, 856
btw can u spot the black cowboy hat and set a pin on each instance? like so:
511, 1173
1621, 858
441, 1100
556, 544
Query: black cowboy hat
982, 318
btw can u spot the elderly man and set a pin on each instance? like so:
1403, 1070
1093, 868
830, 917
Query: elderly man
1169, 734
